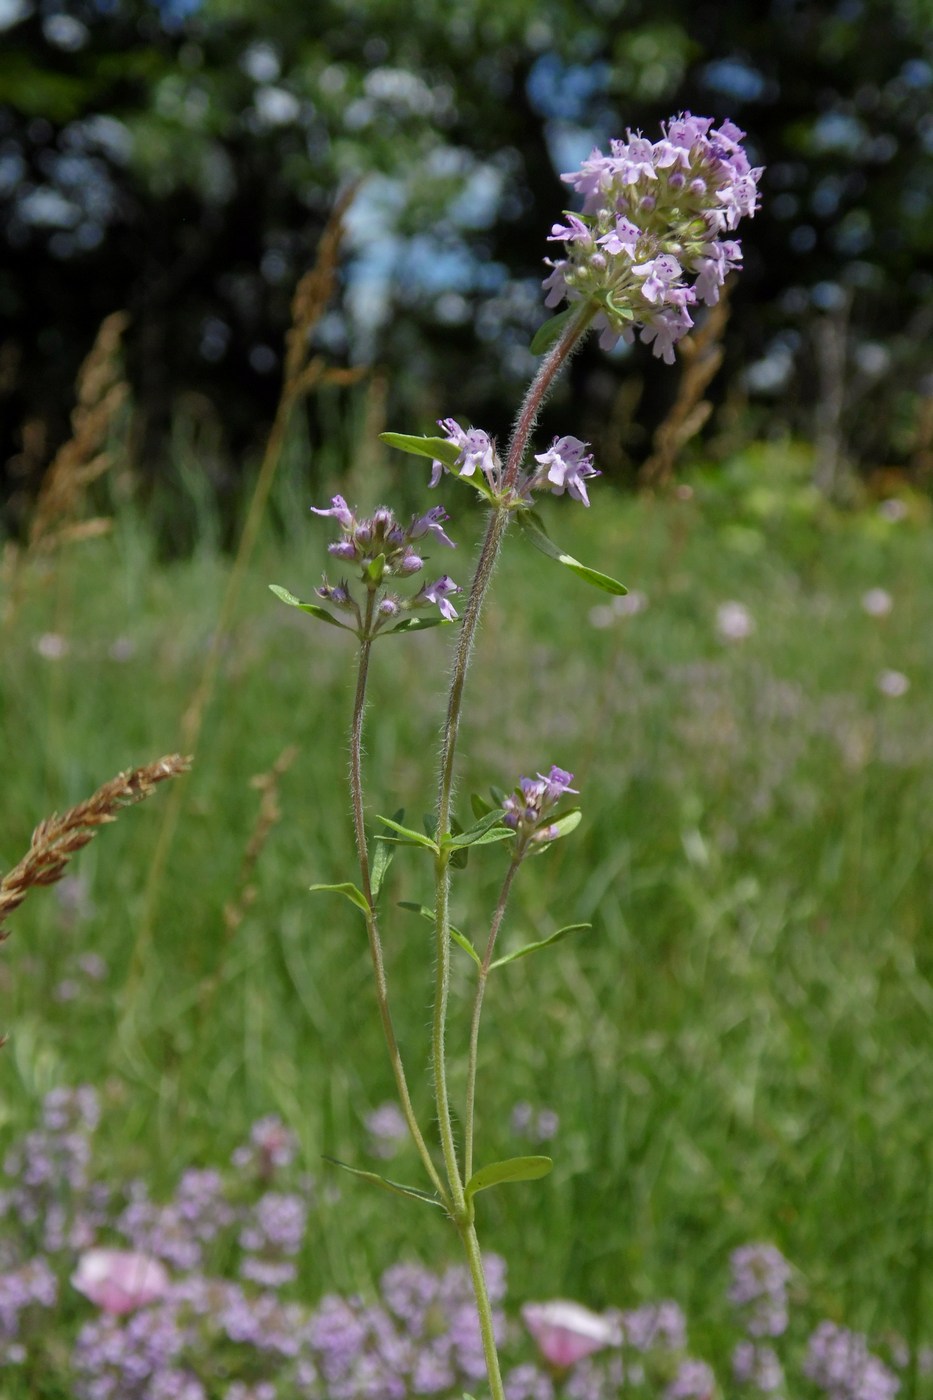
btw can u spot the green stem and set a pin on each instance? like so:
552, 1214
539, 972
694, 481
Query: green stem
477, 1013
484, 1309
540, 387
462, 1212
372, 925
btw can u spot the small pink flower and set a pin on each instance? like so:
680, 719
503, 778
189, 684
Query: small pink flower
565, 1332
118, 1280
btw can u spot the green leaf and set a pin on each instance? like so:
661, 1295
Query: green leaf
456, 935
382, 857
438, 449
547, 334
497, 833
418, 624
348, 891
473, 834
409, 837
479, 804
395, 1186
312, 608
375, 569
464, 943
542, 943
434, 447
511, 1169
533, 527
563, 826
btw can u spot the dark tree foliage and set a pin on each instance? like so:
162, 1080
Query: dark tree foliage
179, 163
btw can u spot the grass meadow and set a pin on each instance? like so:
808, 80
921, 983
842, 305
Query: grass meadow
738, 1050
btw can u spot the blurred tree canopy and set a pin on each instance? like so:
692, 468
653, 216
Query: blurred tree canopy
178, 160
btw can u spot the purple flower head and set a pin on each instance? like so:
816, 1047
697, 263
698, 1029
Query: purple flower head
338, 594
431, 523
557, 783
566, 466
476, 450
760, 1275
647, 243
439, 592
757, 1366
528, 807
694, 1381
387, 1129
339, 510
839, 1362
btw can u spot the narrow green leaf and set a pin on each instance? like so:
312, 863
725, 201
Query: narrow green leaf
438, 449
561, 827
455, 933
479, 804
533, 528
434, 447
382, 856
376, 568
497, 833
464, 943
312, 608
418, 624
542, 943
348, 891
376, 1180
473, 833
511, 1169
547, 334
412, 837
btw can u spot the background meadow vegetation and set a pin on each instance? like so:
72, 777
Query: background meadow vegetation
738, 1049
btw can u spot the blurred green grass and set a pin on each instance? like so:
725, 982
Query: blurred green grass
738, 1050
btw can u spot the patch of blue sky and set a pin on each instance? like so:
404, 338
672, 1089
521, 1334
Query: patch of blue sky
566, 90
735, 78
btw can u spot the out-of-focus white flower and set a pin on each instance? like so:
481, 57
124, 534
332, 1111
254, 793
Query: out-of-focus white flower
877, 602
52, 645
893, 684
629, 605
565, 1332
120, 1280
734, 622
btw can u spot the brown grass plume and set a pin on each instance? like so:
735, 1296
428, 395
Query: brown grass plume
57, 838
101, 391
701, 353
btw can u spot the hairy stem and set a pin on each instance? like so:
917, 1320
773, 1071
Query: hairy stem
372, 924
484, 1308
540, 387
462, 1212
477, 1013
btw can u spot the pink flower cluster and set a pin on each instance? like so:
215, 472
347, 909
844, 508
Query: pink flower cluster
647, 243
565, 466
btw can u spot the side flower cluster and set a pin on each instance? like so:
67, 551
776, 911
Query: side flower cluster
565, 466
381, 548
528, 808
647, 244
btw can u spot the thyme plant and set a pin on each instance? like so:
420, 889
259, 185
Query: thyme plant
649, 243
